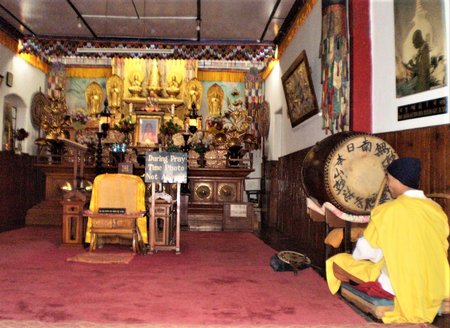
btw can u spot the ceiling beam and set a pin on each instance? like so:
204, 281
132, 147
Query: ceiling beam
75, 9
274, 10
18, 20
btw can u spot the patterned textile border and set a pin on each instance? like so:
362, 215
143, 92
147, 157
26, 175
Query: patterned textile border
48, 49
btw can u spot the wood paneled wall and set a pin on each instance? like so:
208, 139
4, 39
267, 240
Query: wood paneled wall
284, 201
22, 186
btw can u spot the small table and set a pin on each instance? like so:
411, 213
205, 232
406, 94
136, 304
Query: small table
164, 223
115, 224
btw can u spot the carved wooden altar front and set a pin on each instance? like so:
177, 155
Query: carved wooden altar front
210, 189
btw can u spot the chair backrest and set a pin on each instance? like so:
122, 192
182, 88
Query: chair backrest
118, 191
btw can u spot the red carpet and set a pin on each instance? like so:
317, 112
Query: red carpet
220, 278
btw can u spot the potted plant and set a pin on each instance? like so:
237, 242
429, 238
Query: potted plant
168, 130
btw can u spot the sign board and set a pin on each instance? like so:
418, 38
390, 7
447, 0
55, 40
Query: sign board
238, 210
423, 109
165, 167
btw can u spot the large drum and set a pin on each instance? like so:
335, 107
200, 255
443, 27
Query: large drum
347, 169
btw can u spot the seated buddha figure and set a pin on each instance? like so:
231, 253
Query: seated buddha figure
136, 84
174, 87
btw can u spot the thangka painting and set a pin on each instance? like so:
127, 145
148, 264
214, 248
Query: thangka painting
335, 58
420, 46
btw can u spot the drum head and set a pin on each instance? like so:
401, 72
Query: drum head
354, 172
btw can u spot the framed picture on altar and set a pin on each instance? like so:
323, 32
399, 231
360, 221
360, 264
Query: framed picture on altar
147, 131
299, 91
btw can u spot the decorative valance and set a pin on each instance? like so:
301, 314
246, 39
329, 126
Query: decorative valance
50, 50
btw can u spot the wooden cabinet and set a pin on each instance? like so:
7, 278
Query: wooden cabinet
210, 190
238, 217
72, 223
164, 222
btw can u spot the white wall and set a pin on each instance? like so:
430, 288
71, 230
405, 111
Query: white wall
384, 101
27, 81
283, 139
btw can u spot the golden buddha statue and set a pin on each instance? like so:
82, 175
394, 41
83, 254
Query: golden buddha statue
193, 93
114, 88
153, 82
173, 89
215, 100
136, 84
94, 98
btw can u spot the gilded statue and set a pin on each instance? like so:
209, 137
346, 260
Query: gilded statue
193, 93
215, 100
173, 89
153, 82
54, 117
114, 89
94, 98
135, 88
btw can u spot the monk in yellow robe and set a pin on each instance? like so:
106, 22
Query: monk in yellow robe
404, 249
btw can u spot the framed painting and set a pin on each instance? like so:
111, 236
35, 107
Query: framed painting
420, 46
147, 130
299, 91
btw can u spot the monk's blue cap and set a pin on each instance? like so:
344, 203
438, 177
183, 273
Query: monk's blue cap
406, 170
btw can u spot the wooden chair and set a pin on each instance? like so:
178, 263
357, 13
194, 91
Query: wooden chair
117, 208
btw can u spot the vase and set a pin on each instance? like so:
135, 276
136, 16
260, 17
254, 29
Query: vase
201, 160
18, 148
234, 155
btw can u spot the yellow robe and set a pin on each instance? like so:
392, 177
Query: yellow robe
412, 232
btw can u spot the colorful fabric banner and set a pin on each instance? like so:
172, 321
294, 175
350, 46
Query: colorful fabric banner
334, 52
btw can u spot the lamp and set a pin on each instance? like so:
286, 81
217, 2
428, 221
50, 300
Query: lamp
98, 50
104, 119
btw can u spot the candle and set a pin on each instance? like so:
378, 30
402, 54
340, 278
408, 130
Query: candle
172, 109
130, 106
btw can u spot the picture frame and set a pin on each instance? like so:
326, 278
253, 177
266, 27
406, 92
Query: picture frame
147, 131
9, 79
299, 91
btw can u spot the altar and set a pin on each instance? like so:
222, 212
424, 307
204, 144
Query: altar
210, 191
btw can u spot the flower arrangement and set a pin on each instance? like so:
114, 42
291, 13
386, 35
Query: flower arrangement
126, 125
178, 140
21, 134
201, 141
79, 120
173, 149
87, 140
214, 123
170, 128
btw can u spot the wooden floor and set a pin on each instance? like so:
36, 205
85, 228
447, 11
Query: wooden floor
279, 242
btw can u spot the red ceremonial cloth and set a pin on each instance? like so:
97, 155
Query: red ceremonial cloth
373, 288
